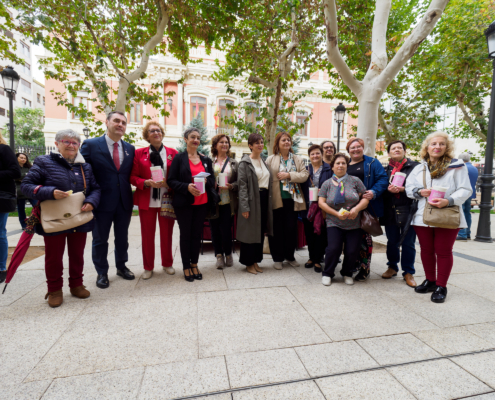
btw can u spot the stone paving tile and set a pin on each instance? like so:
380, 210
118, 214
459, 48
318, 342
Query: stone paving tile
460, 308
333, 358
372, 385
397, 349
125, 333
481, 284
23, 391
488, 396
186, 378
355, 312
452, 340
118, 385
22, 283
247, 369
438, 380
239, 321
28, 333
482, 366
485, 331
294, 391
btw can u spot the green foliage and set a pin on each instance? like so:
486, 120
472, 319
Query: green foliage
28, 126
204, 141
8, 46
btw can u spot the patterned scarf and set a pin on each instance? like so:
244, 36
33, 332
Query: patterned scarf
290, 166
340, 195
397, 167
440, 168
156, 160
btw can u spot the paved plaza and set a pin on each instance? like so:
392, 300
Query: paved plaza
238, 334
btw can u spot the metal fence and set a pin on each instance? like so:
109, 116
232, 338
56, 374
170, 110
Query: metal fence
34, 151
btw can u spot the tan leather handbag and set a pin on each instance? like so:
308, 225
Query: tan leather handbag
63, 214
447, 217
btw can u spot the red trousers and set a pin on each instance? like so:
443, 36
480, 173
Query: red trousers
436, 252
148, 228
54, 263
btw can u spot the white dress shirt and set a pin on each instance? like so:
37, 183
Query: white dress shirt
110, 143
158, 202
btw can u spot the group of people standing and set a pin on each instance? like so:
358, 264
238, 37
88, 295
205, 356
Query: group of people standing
267, 196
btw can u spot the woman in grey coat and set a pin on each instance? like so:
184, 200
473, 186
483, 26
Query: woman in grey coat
255, 216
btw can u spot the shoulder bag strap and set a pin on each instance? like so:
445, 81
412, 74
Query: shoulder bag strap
225, 164
424, 177
84, 179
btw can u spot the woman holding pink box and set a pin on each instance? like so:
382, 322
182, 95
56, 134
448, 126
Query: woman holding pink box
447, 185
226, 169
149, 172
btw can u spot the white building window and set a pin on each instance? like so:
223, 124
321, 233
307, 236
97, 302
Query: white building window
25, 49
2, 112
26, 68
25, 86
79, 100
2, 92
198, 107
302, 119
225, 112
251, 114
136, 114
26, 102
38, 98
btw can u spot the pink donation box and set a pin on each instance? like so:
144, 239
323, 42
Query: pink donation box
157, 174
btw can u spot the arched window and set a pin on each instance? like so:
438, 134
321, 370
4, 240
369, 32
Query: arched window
302, 118
198, 108
225, 112
136, 114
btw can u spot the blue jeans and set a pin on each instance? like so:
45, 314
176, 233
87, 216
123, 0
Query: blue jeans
4, 244
408, 249
466, 208
21, 210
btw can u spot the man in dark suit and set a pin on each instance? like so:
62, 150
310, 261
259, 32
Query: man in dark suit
111, 159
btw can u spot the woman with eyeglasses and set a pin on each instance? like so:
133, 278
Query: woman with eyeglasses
371, 172
55, 177
149, 198
25, 165
329, 151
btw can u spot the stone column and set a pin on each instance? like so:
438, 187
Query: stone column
180, 108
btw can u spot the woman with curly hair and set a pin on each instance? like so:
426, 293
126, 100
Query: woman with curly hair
149, 198
438, 168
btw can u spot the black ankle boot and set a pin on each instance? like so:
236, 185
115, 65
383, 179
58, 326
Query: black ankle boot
439, 295
426, 286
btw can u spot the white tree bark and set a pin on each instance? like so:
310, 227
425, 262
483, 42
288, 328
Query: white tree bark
380, 72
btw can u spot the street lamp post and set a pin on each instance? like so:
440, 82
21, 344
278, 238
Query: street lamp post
10, 82
484, 225
86, 132
339, 117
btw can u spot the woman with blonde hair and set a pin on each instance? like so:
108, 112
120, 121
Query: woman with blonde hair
149, 197
288, 172
447, 184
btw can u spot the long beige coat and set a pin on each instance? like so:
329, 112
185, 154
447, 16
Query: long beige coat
248, 230
300, 176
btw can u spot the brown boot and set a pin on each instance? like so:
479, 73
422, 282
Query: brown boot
410, 280
389, 273
80, 292
55, 299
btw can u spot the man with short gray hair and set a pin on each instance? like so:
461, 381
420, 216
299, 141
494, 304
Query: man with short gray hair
465, 234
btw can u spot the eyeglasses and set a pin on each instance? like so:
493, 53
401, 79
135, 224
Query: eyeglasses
328, 147
69, 143
155, 131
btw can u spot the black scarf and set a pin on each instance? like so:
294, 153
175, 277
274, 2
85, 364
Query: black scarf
156, 160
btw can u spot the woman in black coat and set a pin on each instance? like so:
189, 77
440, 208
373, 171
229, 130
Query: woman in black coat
192, 200
55, 177
9, 171
396, 210
25, 165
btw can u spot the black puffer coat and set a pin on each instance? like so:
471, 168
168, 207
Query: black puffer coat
53, 172
397, 206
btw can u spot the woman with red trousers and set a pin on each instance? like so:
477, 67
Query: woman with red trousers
148, 197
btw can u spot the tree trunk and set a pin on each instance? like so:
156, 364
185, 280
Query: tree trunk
122, 95
369, 105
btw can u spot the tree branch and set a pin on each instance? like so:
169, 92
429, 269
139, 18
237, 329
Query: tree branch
333, 52
411, 44
384, 126
264, 82
469, 121
379, 57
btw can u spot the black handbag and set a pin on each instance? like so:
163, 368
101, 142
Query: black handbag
8, 202
401, 213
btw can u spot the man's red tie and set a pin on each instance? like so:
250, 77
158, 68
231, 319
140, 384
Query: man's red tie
116, 158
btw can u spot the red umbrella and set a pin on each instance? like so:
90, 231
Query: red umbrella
23, 245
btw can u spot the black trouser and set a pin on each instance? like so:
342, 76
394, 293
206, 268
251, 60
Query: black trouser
351, 240
221, 231
191, 221
253, 252
316, 243
284, 239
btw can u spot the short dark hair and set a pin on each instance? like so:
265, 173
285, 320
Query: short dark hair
188, 131
315, 147
340, 155
214, 141
328, 141
395, 142
254, 138
109, 115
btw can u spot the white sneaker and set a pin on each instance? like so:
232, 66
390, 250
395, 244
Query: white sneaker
293, 263
220, 261
277, 265
169, 270
348, 280
146, 274
326, 280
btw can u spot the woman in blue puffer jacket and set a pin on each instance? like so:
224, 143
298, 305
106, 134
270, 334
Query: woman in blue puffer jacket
52, 177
